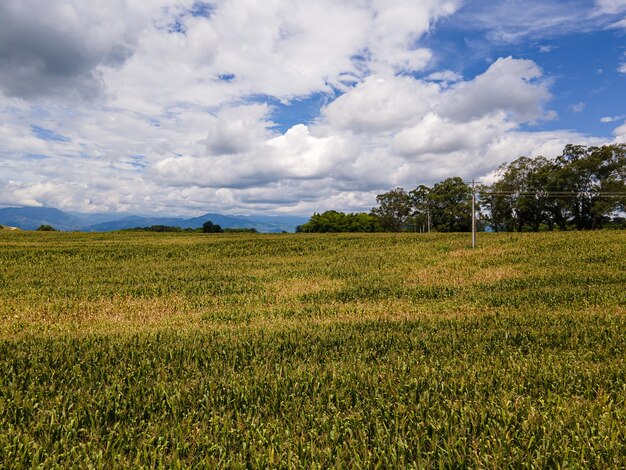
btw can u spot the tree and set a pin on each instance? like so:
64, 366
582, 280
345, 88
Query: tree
420, 202
241, 230
210, 227
588, 175
519, 199
46, 228
333, 221
394, 210
451, 203
583, 188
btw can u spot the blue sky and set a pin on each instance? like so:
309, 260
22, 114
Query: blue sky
245, 106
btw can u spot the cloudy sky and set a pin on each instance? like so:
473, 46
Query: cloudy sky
293, 106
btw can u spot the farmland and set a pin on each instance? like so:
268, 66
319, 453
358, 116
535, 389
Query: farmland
313, 351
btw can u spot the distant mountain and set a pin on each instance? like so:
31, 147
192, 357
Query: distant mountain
278, 223
267, 224
92, 218
30, 218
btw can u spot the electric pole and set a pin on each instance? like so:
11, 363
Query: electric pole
473, 214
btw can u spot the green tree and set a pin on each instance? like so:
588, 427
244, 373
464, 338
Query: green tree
588, 175
394, 210
46, 228
421, 207
241, 230
210, 227
334, 221
451, 202
519, 200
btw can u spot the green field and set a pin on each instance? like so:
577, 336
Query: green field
312, 351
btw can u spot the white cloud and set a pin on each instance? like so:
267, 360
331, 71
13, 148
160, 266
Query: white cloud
622, 68
167, 113
620, 134
607, 119
238, 129
437, 135
509, 85
610, 6
447, 76
381, 104
515, 20
293, 156
577, 107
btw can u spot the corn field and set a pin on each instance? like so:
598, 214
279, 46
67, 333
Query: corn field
312, 351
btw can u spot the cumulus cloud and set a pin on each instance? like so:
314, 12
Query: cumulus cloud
381, 104
292, 156
620, 134
439, 135
52, 48
167, 107
238, 129
509, 85
445, 76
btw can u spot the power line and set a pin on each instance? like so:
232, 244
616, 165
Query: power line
555, 194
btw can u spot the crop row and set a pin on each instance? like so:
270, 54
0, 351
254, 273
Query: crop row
495, 391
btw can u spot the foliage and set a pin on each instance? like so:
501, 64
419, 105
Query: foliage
160, 228
581, 189
333, 221
210, 227
451, 205
393, 210
46, 228
446, 207
590, 171
518, 201
134, 349
241, 230
421, 208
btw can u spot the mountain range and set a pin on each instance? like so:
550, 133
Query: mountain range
30, 218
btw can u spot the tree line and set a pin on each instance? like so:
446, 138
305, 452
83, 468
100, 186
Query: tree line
584, 188
207, 227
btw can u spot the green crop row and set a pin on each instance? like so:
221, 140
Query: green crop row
496, 391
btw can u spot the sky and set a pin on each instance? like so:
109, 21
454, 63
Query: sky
293, 106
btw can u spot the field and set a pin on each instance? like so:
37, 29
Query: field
312, 351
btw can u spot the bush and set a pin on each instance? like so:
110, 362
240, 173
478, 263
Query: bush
46, 228
240, 230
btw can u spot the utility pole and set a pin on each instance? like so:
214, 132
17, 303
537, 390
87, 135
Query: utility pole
473, 214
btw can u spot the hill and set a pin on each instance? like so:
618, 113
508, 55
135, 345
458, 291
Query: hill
29, 218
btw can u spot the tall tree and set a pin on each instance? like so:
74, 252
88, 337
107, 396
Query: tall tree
519, 200
420, 202
589, 174
394, 209
451, 202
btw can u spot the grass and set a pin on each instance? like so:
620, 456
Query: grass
312, 351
